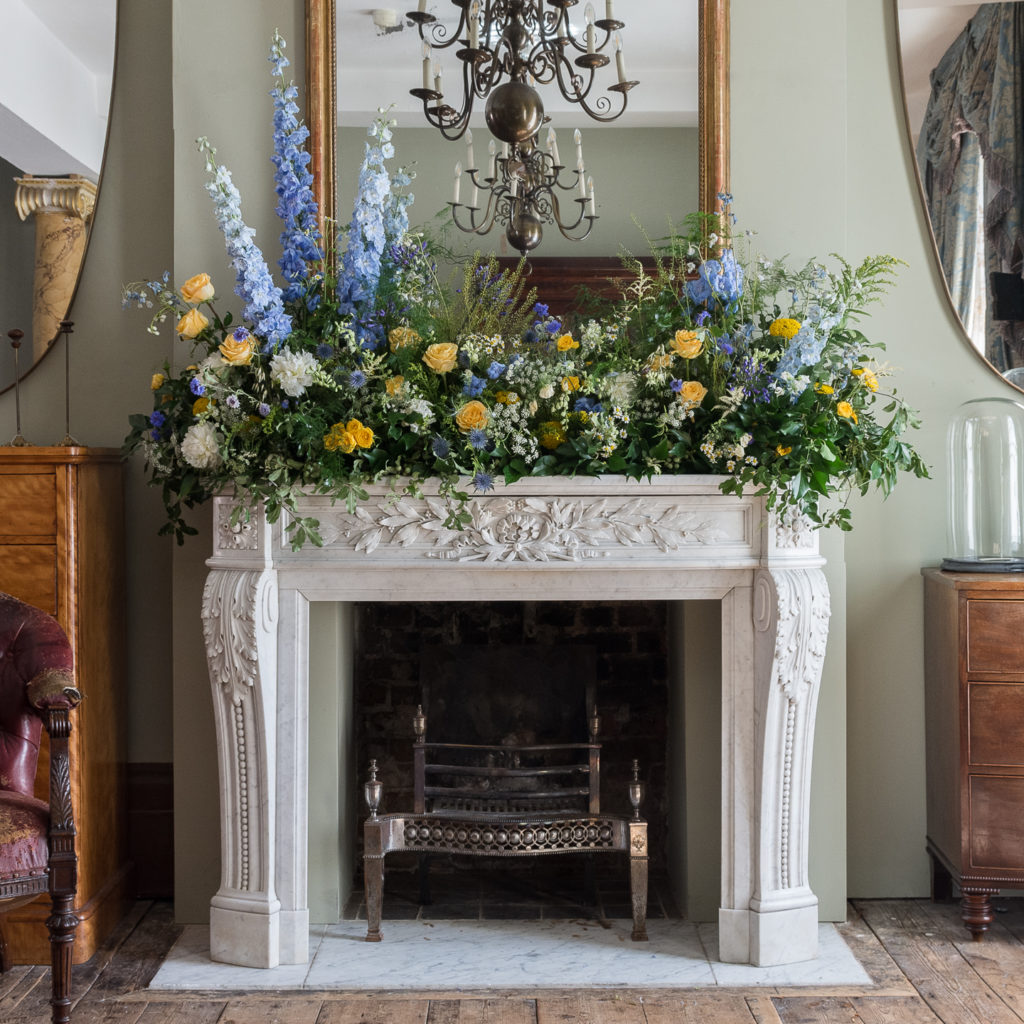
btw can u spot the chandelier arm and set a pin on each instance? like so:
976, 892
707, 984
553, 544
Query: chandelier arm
435, 33
566, 229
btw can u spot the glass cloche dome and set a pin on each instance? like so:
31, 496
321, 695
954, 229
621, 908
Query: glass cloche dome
986, 487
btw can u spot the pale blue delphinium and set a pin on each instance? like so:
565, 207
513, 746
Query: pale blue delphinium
804, 349
296, 205
264, 308
380, 219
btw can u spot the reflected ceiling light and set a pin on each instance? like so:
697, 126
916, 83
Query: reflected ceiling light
505, 49
522, 186
386, 21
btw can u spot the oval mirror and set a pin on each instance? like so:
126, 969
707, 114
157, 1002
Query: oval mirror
675, 126
55, 90
961, 65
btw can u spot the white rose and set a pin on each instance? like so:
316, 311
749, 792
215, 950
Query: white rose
200, 447
292, 371
548, 391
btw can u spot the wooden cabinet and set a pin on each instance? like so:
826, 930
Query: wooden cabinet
62, 549
974, 714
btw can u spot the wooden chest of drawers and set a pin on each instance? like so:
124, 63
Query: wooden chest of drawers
974, 692
62, 549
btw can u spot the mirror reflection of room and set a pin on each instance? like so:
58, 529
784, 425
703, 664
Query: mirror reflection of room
961, 66
54, 102
644, 164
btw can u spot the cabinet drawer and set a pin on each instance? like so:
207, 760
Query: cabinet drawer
997, 826
995, 724
29, 573
28, 505
995, 637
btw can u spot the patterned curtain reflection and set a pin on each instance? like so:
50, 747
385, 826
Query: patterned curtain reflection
971, 155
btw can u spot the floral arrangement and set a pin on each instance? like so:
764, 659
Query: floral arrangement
716, 361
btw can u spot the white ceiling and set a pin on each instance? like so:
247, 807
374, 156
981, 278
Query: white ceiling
659, 46
55, 83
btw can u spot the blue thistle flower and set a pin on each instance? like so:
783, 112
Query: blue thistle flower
440, 447
478, 439
356, 379
483, 482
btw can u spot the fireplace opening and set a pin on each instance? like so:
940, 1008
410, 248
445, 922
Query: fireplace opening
516, 672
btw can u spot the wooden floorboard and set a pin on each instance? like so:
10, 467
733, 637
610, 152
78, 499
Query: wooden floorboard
923, 965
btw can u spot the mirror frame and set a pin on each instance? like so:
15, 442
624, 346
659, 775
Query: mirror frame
712, 99
932, 242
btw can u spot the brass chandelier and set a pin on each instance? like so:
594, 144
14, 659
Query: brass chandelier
522, 185
506, 49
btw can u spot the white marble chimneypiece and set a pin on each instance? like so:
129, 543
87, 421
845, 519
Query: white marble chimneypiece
561, 539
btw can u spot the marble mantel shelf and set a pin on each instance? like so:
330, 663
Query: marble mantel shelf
550, 538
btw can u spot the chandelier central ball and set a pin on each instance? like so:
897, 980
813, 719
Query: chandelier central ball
514, 112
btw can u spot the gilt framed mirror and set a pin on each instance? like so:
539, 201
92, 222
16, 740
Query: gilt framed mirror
960, 67
706, 21
55, 92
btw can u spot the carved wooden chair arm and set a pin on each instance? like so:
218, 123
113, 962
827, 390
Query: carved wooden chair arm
53, 688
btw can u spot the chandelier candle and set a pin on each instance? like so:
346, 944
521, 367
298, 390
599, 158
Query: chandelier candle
426, 67
553, 147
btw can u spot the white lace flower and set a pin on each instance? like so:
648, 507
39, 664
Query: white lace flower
293, 371
200, 446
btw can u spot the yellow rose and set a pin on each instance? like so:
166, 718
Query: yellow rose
566, 342
570, 383
845, 410
472, 416
364, 437
157, 382
402, 336
784, 327
394, 385
197, 289
339, 438
686, 344
200, 405
192, 323
824, 389
441, 356
237, 348
783, 450
692, 392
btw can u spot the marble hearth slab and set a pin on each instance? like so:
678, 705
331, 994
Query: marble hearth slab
473, 955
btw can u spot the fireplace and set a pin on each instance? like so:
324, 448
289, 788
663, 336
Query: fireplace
562, 540
502, 656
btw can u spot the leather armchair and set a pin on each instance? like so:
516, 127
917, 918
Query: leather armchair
37, 839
